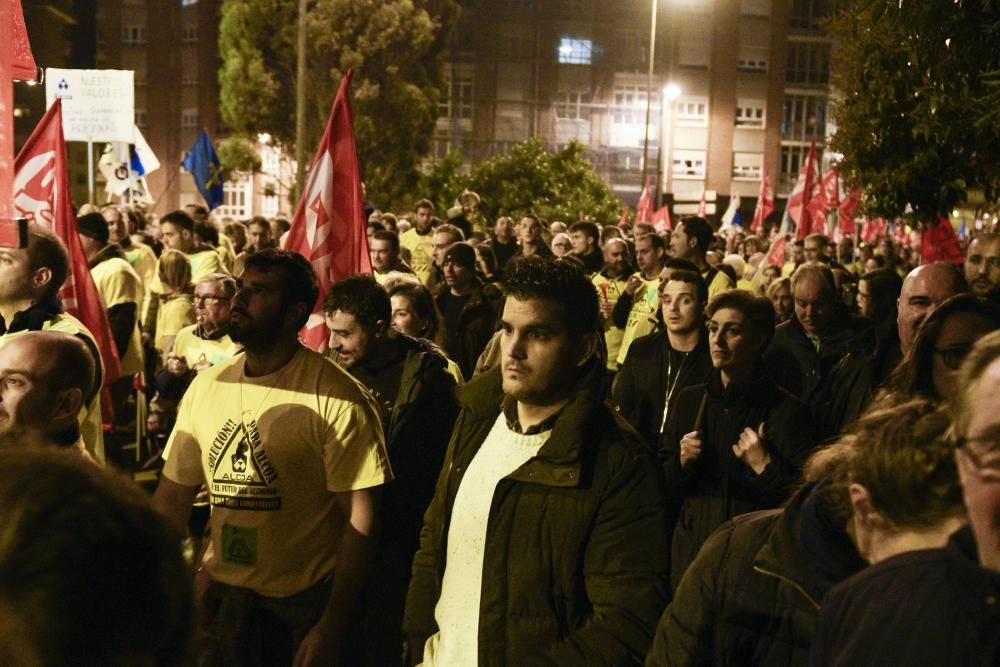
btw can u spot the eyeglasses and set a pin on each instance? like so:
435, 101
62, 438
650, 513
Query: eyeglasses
210, 299
988, 471
953, 356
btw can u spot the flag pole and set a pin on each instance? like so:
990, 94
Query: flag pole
90, 172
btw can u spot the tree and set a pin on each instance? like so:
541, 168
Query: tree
913, 114
395, 48
238, 154
555, 186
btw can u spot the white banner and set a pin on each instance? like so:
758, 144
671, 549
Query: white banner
97, 104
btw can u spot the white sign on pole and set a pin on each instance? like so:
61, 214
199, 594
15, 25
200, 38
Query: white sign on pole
97, 104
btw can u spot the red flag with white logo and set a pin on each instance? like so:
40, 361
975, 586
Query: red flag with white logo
825, 197
802, 193
765, 203
329, 224
644, 209
661, 219
41, 194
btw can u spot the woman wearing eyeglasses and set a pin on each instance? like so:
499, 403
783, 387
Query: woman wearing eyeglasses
939, 347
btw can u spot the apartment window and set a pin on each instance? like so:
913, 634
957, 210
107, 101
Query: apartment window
141, 119
691, 111
573, 106
457, 100
752, 58
750, 114
808, 63
133, 34
189, 34
629, 106
236, 199
189, 119
807, 13
747, 166
804, 118
632, 50
574, 51
688, 164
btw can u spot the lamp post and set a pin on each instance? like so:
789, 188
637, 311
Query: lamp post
649, 87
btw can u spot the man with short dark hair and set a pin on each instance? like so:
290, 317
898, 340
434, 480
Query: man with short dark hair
384, 252
177, 233
415, 394
259, 237
585, 238
420, 241
982, 263
546, 539
635, 311
292, 451
690, 241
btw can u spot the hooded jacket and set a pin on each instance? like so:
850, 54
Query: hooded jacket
576, 551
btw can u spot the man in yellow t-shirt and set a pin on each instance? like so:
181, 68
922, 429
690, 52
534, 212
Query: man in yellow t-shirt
611, 282
419, 240
636, 309
177, 233
292, 450
207, 342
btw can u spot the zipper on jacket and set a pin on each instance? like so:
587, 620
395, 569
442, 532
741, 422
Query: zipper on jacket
785, 579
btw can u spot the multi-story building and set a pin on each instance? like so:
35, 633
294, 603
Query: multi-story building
746, 84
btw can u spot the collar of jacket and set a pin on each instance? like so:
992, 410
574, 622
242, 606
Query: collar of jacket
109, 251
846, 333
558, 461
755, 390
34, 317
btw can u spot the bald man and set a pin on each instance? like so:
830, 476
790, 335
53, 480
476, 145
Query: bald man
925, 287
44, 377
982, 263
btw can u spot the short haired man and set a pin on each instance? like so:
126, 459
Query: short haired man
45, 377
177, 233
586, 239
643, 392
635, 312
419, 239
925, 287
207, 341
817, 249
292, 451
690, 241
797, 256
260, 236
139, 255
384, 252
546, 539
30, 279
982, 263
822, 354
415, 394
444, 236
611, 282
529, 232
469, 307
504, 241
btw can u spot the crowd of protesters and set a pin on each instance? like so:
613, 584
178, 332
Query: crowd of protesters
525, 442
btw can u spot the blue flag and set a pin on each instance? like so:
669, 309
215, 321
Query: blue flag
203, 163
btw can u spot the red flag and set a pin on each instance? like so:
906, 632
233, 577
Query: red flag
765, 203
41, 194
825, 197
644, 209
661, 219
848, 209
776, 254
702, 206
940, 244
802, 193
16, 62
873, 230
329, 225
623, 221
22, 63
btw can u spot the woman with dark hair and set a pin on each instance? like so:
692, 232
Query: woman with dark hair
941, 344
878, 294
414, 314
737, 443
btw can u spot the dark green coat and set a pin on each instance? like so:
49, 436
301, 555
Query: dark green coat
575, 569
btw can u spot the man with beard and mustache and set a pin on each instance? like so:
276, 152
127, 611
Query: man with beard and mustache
292, 451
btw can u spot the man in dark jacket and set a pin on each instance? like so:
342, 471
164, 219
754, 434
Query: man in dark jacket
822, 356
545, 542
468, 306
659, 366
416, 399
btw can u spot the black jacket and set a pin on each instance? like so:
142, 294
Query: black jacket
717, 486
835, 382
576, 552
753, 594
929, 607
476, 323
640, 389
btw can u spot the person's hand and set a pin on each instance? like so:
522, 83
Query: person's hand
751, 449
317, 648
690, 447
606, 309
632, 285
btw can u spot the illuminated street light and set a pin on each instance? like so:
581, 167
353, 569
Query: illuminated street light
671, 91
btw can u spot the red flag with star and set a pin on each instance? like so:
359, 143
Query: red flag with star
765, 203
329, 224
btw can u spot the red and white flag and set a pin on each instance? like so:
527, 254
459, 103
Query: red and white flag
661, 219
644, 209
41, 194
825, 197
765, 203
702, 206
873, 230
847, 210
802, 193
776, 253
940, 244
623, 221
329, 224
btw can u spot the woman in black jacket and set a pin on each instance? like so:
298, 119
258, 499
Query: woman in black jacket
735, 444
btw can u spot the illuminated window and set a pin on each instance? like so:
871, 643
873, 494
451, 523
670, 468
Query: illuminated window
572, 106
575, 51
688, 164
691, 111
750, 114
747, 166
